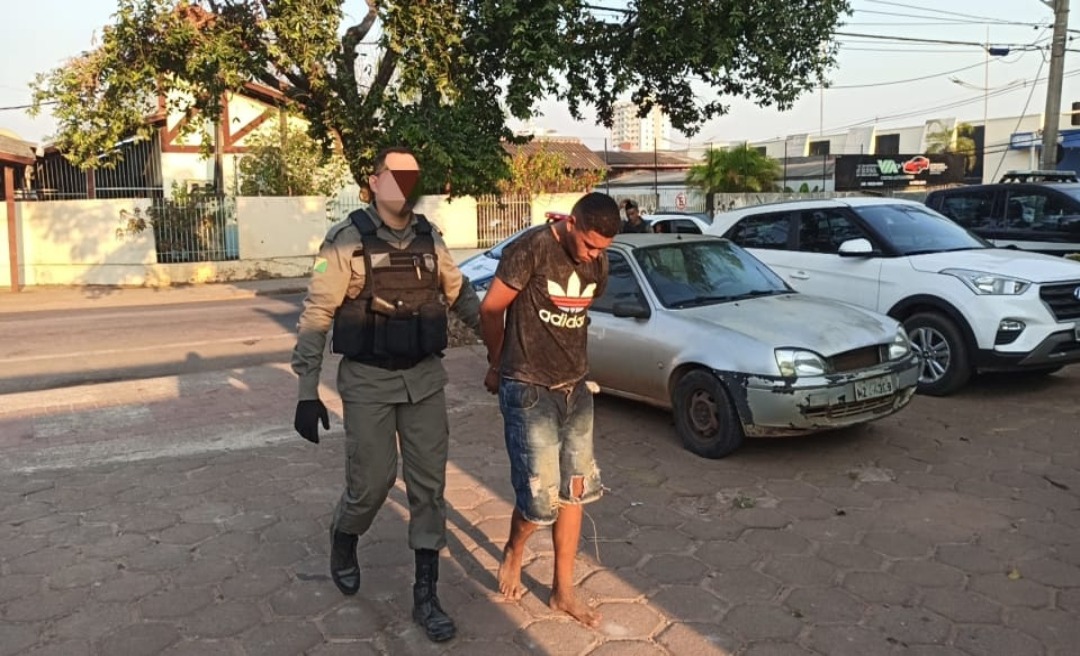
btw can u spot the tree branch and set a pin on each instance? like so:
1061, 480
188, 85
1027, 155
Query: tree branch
382, 79
349, 42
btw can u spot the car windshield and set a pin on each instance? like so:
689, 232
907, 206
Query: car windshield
914, 230
691, 273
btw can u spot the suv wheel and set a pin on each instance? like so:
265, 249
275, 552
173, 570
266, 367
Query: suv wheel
944, 353
704, 417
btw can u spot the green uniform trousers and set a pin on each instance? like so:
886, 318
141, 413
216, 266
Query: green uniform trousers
382, 409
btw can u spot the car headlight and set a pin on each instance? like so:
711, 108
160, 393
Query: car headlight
900, 346
984, 283
794, 363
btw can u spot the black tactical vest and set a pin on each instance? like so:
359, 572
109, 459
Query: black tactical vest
399, 317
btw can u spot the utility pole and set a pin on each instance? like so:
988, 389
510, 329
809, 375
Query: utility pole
1052, 114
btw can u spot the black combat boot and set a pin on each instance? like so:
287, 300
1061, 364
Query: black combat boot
426, 609
343, 566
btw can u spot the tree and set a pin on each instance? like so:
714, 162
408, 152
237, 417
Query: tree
285, 161
546, 172
441, 76
736, 170
961, 141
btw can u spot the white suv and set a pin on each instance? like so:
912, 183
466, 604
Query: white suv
967, 305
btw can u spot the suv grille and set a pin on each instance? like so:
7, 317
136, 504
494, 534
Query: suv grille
861, 358
1062, 299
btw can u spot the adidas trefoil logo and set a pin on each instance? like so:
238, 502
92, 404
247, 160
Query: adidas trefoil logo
572, 301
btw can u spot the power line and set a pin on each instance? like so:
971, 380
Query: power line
954, 104
1022, 114
951, 21
15, 107
911, 39
910, 79
933, 10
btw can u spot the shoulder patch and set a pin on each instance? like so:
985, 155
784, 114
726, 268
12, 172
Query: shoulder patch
320, 265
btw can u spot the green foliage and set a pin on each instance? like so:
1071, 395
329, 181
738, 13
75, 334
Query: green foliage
285, 161
546, 172
1073, 256
187, 225
735, 170
961, 140
440, 76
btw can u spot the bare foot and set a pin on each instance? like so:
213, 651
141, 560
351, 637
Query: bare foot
510, 574
571, 604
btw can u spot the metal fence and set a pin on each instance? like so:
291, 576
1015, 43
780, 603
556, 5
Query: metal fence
498, 217
137, 174
340, 207
667, 200
195, 229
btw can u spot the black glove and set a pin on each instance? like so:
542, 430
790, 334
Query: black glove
308, 414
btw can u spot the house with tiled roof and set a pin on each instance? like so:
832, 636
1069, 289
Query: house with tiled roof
578, 156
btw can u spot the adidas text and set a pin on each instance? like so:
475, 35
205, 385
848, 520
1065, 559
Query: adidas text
562, 320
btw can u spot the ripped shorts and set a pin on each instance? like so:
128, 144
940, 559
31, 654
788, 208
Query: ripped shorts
549, 438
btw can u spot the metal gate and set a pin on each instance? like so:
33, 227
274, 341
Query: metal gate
498, 217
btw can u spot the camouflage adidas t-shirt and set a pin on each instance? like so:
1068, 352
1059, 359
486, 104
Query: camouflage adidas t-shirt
547, 324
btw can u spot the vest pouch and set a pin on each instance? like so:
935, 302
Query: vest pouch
434, 333
350, 329
402, 337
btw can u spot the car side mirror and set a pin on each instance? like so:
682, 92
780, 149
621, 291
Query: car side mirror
631, 310
856, 248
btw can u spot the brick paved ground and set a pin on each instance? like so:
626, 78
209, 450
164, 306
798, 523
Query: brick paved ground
953, 528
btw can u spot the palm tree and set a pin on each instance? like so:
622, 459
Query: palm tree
963, 143
738, 170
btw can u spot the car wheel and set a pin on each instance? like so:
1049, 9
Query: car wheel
704, 417
944, 353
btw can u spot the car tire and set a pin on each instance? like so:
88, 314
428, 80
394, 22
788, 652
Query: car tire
704, 416
946, 362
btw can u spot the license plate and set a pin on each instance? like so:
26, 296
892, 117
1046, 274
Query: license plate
874, 388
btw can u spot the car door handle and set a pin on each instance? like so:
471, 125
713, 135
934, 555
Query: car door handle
800, 275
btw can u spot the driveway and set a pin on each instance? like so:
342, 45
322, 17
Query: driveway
951, 528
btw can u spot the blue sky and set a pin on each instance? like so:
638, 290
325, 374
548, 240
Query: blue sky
40, 35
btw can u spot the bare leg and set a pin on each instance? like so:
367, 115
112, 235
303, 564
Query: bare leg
566, 535
510, 569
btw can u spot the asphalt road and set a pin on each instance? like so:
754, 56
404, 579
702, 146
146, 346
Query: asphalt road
61, 348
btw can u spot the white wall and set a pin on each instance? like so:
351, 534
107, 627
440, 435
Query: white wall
998, 158
274, 227
5, 259
83, 242
456, 218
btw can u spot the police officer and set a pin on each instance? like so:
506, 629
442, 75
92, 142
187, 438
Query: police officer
384, 279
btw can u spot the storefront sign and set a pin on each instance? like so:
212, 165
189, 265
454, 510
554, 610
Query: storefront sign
871, 172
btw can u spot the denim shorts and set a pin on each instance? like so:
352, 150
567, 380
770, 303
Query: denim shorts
549, 438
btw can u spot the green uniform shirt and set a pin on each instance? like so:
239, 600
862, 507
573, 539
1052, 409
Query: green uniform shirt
338, 273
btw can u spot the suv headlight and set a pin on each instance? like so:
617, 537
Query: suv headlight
984, 283
900, 346
794, 363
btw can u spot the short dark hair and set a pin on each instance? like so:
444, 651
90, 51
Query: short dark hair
379, 164
597, 212
630, 204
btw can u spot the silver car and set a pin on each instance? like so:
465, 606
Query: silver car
698, 325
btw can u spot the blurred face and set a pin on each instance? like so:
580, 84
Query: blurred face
633, 215
396, 182
585, 245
